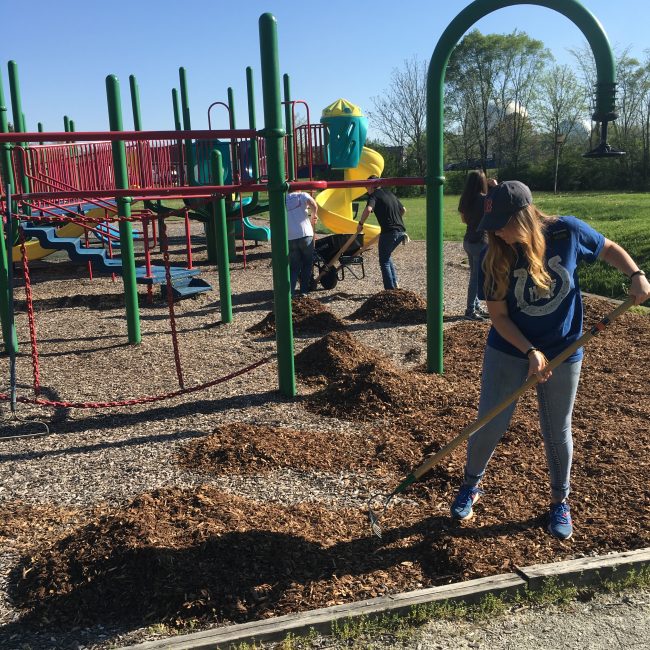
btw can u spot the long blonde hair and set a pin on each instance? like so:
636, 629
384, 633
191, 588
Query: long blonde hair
501, 257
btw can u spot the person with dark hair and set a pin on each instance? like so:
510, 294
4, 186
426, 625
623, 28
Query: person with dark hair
389, 212
470, 208
529, 278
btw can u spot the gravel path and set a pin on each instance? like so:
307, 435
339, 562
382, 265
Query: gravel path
607, 622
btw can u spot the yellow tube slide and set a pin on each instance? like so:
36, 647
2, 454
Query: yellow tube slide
335, 205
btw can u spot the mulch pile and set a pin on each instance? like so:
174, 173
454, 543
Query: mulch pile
360, 383
393, 306
308, 315
174, 554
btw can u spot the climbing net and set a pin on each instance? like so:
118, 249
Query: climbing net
145, 399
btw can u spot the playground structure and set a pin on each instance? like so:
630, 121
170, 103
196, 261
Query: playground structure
189, 164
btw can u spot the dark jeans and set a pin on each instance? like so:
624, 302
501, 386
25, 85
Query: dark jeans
473, 251
388, 242
301, 261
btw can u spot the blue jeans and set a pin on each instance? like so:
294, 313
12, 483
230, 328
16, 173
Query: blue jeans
473, 251
301, 261
388, 242
502, 375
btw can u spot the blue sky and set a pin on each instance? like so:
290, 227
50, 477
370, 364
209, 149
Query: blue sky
65, 49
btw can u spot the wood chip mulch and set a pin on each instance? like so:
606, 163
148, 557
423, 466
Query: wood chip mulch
176, 554
308, 315
393, 306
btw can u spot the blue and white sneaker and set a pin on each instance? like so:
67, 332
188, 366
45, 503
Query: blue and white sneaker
467, 496
559, 520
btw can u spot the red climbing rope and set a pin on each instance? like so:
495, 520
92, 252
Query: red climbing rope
30, 314
170, 302
138, 400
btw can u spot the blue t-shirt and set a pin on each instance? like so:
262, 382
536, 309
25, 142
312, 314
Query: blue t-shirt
551, 323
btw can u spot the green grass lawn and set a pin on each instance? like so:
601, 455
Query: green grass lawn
621, 217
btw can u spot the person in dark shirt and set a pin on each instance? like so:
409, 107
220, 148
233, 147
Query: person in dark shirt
470, 208
389, 212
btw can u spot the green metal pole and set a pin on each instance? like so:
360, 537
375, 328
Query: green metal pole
72, 129
124, 210
135, 103
219, 224
178, 126
232, 123
19, 122
40, 130
66, 124
187, 126
288, 120
252, 124
137, 126
8, 332
277, 188
177, 111
605, 107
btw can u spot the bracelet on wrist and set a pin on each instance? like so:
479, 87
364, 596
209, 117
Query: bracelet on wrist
530, 351
638, 272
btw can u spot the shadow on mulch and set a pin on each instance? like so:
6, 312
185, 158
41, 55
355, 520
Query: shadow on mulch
174, 555
308, 315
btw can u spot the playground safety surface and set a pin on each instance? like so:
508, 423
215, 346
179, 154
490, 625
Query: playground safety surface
208, 552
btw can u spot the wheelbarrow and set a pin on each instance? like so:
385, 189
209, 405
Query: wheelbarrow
336, 253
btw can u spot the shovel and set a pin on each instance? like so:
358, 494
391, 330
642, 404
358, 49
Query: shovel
378, 503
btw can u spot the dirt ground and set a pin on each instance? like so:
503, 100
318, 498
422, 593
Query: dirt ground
234, 503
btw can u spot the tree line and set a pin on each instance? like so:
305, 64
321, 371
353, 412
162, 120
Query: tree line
511, 109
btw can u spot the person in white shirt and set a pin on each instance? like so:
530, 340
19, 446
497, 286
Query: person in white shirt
300, 231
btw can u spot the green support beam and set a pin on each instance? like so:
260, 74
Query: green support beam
8, 331
220, 228
124, 210
288, 121
277, 188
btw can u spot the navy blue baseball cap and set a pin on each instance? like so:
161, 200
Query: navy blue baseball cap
502, 202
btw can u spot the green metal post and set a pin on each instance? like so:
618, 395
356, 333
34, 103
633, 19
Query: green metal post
135, 103
66, 124
288, 120
605, 106
124, 210
232, 123
137, 125
8, 332
252, 124
277, 188
40, 130
219, 224
177, 111
19, 122
178, 126
232, 224
72, 129
187, 126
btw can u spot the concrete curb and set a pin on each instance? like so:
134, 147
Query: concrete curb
582, 571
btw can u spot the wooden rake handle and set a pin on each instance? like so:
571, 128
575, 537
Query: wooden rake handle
433, 460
